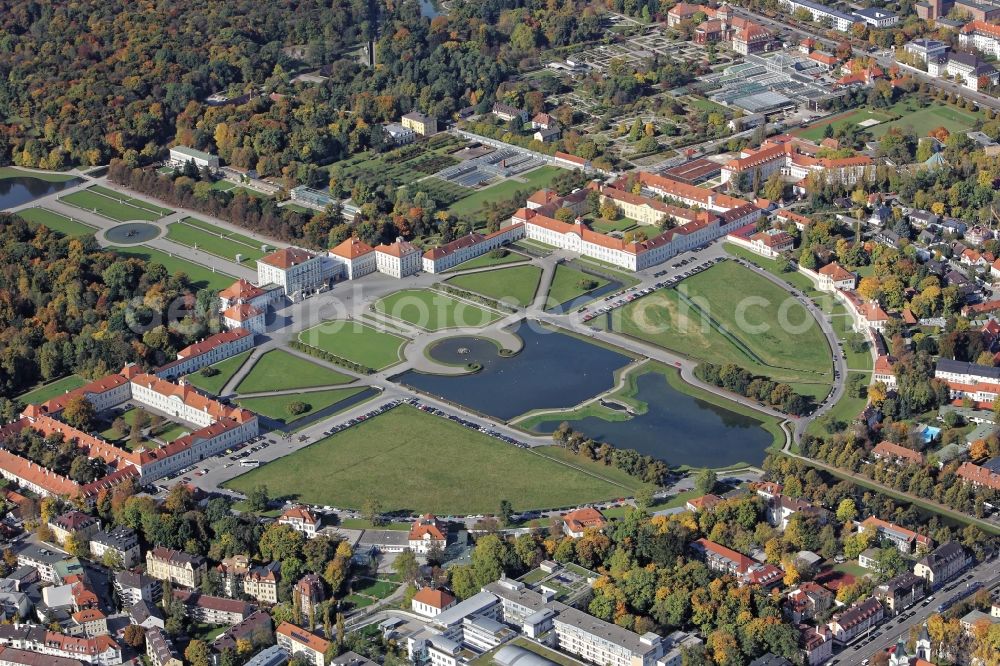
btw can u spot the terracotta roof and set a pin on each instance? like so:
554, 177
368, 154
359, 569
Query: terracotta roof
890, 450
704, 502
836, 272
398, 249
352, 248
299, 513
981, 27
88, 615
435, 598
980, 476
303, 637
791, 216
684, 191
871, 522
581, 519
242, 312
102, 385
469, 240
287, 257
189, 396
210, 343
741, 561
221, 604
571, 158
426, 526
241, 290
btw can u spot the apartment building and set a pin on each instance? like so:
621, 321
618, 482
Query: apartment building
981, 36
160, 649
979, 382
298, 642
900, 592
979, 475
74, 524
99, 650
132, 588
942, 564
309, 591
174, 566
213, 610
848, 624
600, 642
261, 583
906, 541
821, 13
121, 542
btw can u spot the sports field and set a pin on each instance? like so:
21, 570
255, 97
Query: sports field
277, 370
115, 206
567, 285
215, 240
51, 390
200, 276
923, 120
226, 368
356, 342
758, 326
413, 461
56, 222
275, 407
532, 181
516, 284
433, 311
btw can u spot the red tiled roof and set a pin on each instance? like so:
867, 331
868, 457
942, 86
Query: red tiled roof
426, 525
398, 249
890, 450
704, 502
210, 343
287, 257
299, 513
303, 637
581, 519
980, 476
241, 290
871, 522
352, 248
836, 272
571, 158
742, 561
102, 385
435, 598
242, 312
883, 365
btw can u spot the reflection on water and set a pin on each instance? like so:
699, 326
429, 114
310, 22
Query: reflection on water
553, 370
22, 189
679, 429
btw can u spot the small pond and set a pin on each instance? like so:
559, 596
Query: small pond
679, 429
20, 190
553, 370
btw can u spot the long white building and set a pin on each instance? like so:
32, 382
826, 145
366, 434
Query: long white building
443, 257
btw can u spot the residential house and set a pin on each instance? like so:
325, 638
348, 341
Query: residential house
883, 371
74, 524
299, 642
506, 112
727, 561
979, 476
176, 567
575, 523
900, 454
300, 519
703, 503
426, 534
816, 644
807, 601
145, 614
134, 587
261, 582
309, 591
781, 508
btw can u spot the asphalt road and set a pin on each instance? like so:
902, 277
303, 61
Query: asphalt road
886, 634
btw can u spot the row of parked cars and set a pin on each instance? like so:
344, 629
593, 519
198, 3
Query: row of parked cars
626, 296
467, 423
364, 417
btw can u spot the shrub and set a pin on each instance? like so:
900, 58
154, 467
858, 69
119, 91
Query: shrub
297, 407
208, 371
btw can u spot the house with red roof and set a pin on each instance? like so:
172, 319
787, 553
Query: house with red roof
796, 159
900, 454
301, 643
906, 541
245, 317
427, 533
205, 352
979, 476
430, 602
703, 503
300, 519
883, 371
575, 523
727, 561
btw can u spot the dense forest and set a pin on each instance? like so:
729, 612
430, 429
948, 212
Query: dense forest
94, 79
67, 306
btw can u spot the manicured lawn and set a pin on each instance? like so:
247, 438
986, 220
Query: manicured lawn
515, 284
171, 431
607, 226
775, 268
213, 239
433, 311
362, 524
275, 406
357, 601
566, 285
370, 587
51, 390
277, 370
56, 222
356, 342
815, 132
706, 318
532, 181
845, 411
115, 206
48, 177
201, 277
414, 461
227, 369
851, 567
486, 261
